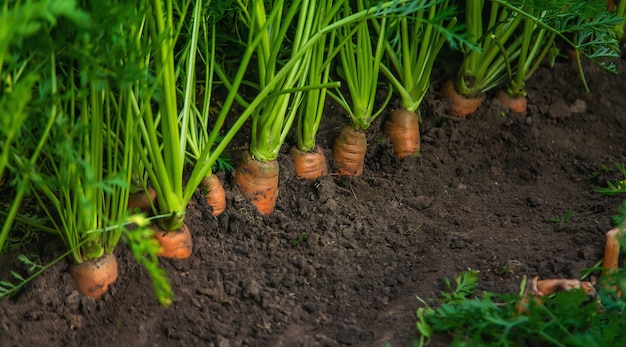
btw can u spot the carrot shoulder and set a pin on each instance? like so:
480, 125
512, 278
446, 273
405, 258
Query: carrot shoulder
175, 244
258, 182
309, 165
94, 277
460, 106
349, 151
402, 129
536, 289
215, 194
517, 104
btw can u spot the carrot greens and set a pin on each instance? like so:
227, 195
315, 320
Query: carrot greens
22, 68
312, 108
484, 68
361, 58
412, 45
585, 26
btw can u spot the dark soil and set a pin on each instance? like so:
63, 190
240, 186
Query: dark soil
480, 197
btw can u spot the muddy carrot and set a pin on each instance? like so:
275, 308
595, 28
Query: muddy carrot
258, 182
402, 129
349, 151
517, 104
309, 165
459, 105
215, 194
94, 277
175, 244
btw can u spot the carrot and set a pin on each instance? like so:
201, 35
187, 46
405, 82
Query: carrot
551, 286
94, 277
611, 257
141, 200
611, 252
258, 181
536, 288
402, 129
215, 194
349, 151
174, 244
460, 106
309, 165
517, 104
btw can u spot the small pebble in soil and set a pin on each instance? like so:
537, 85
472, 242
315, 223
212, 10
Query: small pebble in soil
222, 342
73, 300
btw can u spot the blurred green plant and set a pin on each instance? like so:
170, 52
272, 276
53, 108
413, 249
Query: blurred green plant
26, 54
569, 318
563, 219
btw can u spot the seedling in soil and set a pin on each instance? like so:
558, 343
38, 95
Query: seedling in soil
563, 219
617, 186
303, 237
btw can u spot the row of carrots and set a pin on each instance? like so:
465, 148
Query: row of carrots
258, 179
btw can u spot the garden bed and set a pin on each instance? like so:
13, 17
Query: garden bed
340, 262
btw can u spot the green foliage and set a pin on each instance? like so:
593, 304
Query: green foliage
302, 238
8, 289
412, 45
585, 25
143, 246
525, 30
563, 219
620, 11
563, 319
616, 187
26, 47
145, 249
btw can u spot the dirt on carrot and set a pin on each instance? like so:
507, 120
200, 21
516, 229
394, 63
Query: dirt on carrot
459, 105
175, 244
517, 104
402, 129
258, 182
309, 165
349, 151
215, 194
94, 277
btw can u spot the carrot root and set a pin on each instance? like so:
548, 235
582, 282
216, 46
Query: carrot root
94, 277
215, 194
349, 151
611, 252
536, 288
174, 244
309, 165
402, 129
517, 104
460, 106
141, 200
258, 182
